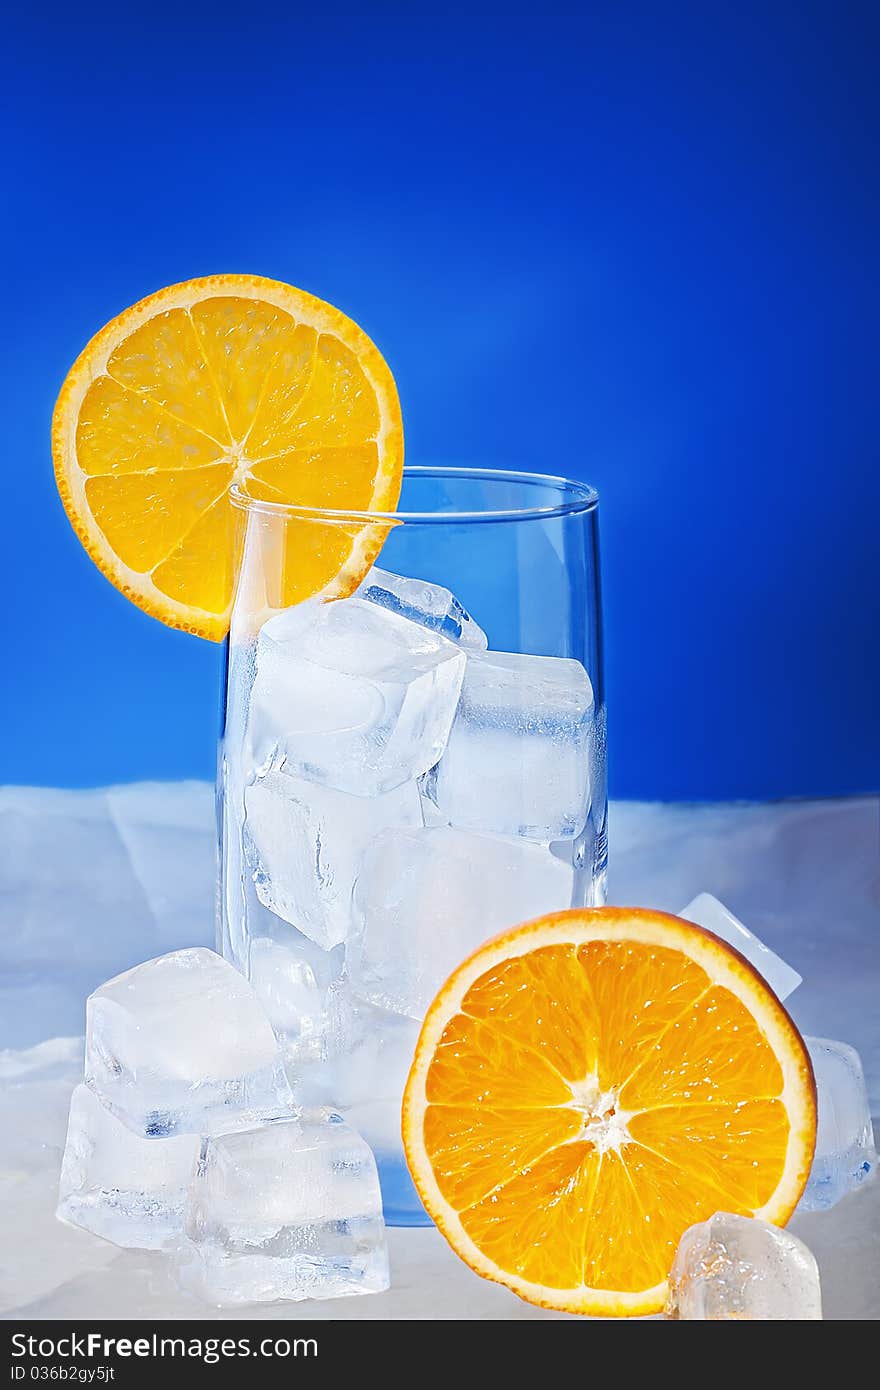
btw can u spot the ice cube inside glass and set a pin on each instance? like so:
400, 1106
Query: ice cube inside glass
425, 899
432, 605
518, 758
353, 696
306, 842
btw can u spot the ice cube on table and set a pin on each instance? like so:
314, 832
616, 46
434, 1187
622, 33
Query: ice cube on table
713, 916
290, 1210
517, 761
352, 696
306, 842
180, 1045
845, 1155
420, 601
738, 1268
122, 1187
425, 899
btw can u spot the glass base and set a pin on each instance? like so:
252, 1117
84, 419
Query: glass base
400, 1201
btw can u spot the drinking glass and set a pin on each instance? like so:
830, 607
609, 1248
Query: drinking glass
409, 763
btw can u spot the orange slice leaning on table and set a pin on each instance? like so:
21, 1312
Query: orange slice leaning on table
587, 1086
232, 379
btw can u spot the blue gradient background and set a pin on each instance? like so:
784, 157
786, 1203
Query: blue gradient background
632, 242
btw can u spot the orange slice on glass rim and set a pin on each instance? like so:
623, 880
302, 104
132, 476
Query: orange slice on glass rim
232, 379
590, 1084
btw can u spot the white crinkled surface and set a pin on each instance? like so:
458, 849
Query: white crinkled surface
94, 882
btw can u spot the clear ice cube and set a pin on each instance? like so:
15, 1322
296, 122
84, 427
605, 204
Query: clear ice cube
845, 1155
737, 1268
180, 1045
517, 761
290, 1210
353, 696
426, 898
306, 844
122, 1187
711, 914
432, 605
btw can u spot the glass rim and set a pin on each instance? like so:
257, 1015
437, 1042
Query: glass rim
575, 498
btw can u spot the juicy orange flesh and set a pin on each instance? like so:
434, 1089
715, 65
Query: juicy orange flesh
195, 398
587, 1105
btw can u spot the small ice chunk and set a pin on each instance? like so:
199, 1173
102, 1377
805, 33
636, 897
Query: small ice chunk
290, 1210
124, 1188
518, 758
426, 898
737, 1268
353, 696
845, 1155
306, 843
709, 913
420, 601
180, 1045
